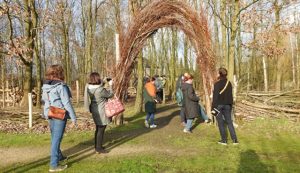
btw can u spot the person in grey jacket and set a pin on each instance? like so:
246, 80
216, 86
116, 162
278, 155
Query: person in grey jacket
95, 97
57, 93
190, 102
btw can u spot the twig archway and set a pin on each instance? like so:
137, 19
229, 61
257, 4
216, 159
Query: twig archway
159, 14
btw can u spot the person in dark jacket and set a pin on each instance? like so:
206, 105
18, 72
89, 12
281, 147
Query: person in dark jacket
95, 97
56, 93
179, 98
222, 103
190, 102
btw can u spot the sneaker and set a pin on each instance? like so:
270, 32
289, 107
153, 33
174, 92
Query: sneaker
146, 124
235, 142
101, 151
58, 168
222, 142
153, 126
208, 121
186, 131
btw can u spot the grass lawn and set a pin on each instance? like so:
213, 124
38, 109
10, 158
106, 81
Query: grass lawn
266, 145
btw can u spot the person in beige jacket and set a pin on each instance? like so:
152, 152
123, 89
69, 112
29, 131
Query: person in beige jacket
95, 97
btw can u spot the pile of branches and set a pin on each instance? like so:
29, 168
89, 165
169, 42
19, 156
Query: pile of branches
271, 104
12, 123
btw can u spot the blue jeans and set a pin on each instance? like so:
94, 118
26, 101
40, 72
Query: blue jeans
151, 117
57, 128
202, 112
225, 117
188, 125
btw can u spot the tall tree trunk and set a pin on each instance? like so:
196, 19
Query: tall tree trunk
278, 38
266, 86
297, 59
37, 58
224, 34
233, 33
293, 60
2, 65
185, 54
30, 34
138, 105
88, 49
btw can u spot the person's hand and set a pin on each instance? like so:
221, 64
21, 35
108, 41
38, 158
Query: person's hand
73, 125
110, 82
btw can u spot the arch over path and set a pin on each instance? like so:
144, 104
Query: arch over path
159, 14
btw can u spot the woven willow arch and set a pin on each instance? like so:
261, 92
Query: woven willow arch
159, 14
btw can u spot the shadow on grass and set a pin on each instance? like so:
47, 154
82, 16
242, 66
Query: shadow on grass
250, 162
113, 137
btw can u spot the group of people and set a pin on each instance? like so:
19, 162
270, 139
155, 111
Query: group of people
222, 101
56, 93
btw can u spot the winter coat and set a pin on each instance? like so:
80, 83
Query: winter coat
225, 98
190, 101
56, 93
95, 97
150, 105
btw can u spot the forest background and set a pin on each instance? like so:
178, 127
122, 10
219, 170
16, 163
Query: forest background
258, 41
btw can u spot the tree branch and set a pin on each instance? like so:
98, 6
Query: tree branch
247, 6
218, 15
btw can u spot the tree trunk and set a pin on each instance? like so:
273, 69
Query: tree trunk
279, 43
233, 32
223, 30
266, 87
27, 83
185, 54
297, 60
293, 60
30, 34
138, 106
37, 58
2, 65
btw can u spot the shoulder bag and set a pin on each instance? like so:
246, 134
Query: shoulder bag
56, 112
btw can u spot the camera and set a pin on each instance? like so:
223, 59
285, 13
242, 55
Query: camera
215, 112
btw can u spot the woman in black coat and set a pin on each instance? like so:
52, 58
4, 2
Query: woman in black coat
222, 106
190, 102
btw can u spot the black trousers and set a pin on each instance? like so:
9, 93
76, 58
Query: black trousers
225, 117
99, 134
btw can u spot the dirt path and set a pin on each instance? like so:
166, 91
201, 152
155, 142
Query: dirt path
168, 123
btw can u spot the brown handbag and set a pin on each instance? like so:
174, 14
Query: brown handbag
113, 107
56, 112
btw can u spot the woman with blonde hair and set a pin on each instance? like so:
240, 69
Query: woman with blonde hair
57, 93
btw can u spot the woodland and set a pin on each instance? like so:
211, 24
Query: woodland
258, 42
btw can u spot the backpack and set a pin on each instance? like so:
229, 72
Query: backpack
179, 97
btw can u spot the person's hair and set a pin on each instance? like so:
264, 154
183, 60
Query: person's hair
222, 73
152, 79
94, 79
55, 72
187, 76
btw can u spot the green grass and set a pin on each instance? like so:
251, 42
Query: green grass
266, 145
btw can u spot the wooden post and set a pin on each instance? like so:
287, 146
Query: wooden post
77, 91
30, 109
7, 93
3, 94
